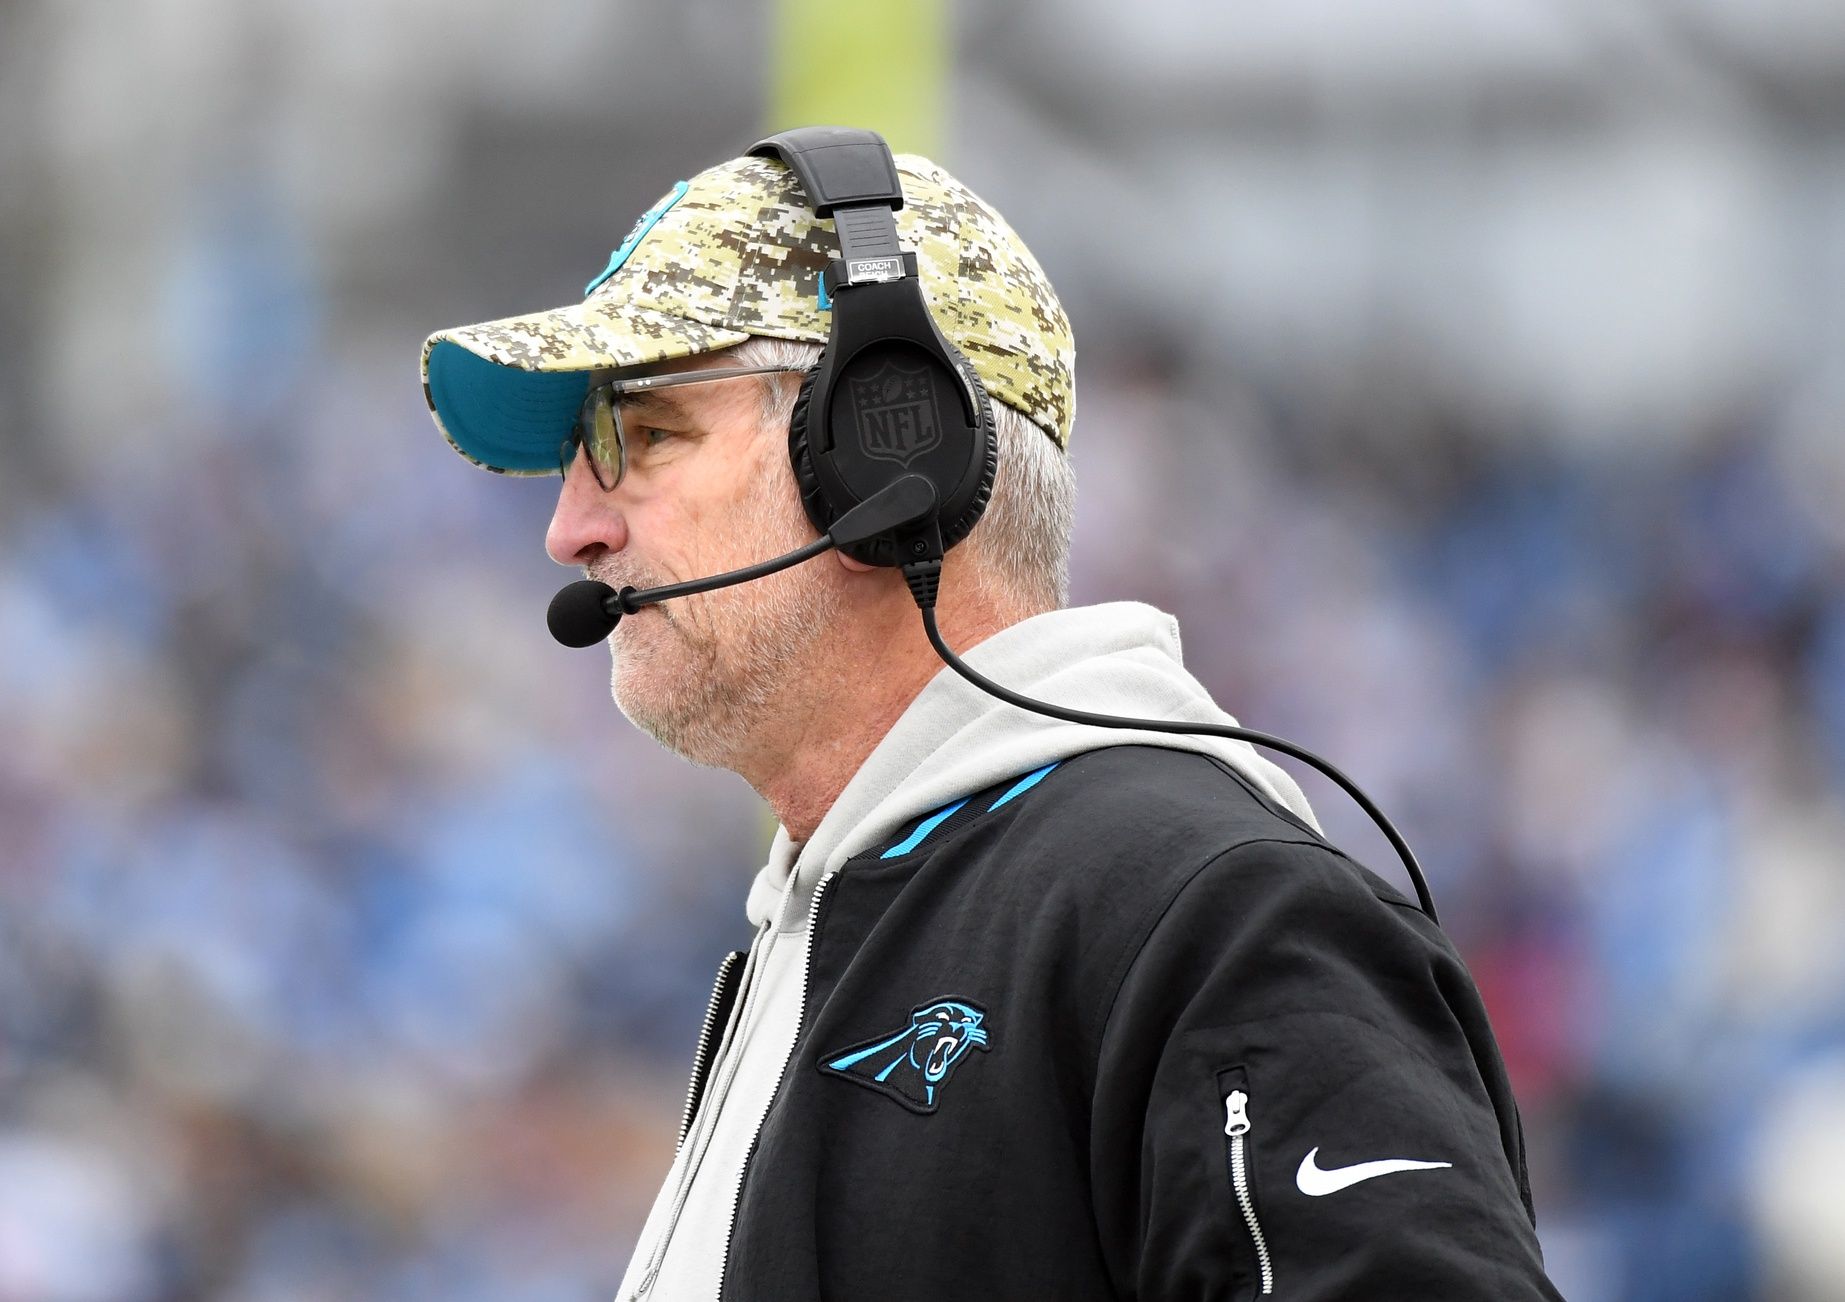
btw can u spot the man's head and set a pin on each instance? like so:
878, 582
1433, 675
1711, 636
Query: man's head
725, 272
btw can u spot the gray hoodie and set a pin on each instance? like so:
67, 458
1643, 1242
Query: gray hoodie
1120, 658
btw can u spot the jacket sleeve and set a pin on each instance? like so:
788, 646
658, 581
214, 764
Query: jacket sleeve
1298, 1096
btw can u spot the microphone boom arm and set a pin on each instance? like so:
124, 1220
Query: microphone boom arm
629, 600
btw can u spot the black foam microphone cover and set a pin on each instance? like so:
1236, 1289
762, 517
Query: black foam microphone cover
580, 615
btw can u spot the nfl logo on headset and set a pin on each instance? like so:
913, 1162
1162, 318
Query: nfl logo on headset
896, 415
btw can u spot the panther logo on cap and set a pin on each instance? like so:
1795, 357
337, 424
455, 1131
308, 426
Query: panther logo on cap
637, 233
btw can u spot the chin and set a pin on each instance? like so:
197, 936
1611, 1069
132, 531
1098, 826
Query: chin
708, 688
670, 699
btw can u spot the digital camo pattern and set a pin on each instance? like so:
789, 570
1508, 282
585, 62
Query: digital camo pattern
740, 254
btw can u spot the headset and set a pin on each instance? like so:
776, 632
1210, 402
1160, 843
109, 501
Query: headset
890, 394
891, 437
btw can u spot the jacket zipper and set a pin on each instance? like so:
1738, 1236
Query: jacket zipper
723, 995
642, 1288
800, 1020
1236, 1125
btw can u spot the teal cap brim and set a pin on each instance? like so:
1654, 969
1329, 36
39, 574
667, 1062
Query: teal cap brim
502, 417
506, 393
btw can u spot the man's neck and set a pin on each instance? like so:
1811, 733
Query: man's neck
844, 716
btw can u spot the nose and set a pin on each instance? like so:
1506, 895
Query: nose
586, 523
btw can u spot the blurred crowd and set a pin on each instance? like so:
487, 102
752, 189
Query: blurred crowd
352, 946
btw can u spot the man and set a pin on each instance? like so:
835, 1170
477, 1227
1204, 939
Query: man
1034, 1009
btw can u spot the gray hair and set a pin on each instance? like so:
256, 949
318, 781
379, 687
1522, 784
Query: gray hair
1022, 540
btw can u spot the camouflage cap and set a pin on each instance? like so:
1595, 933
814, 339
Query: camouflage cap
736, 252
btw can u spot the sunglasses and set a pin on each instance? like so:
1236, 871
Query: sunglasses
598, 428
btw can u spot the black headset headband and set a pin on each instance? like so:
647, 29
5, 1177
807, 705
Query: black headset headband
846, 168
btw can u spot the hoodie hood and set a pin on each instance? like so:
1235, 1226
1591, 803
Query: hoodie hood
1119, 658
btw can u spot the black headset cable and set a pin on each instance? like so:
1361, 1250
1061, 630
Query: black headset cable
924, 577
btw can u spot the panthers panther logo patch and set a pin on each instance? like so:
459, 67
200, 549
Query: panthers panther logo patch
913, 1064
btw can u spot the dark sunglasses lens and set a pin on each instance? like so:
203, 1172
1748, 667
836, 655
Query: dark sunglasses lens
599, 433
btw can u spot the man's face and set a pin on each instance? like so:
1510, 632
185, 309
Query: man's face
707, 489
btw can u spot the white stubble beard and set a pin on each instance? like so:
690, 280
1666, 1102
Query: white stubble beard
713, 678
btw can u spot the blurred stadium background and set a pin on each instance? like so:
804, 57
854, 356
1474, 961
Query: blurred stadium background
1465, 374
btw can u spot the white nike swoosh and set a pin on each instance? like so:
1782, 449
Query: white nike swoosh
1317, 1183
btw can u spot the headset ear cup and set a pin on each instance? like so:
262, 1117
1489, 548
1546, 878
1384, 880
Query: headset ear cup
953, 531
813, 496
822, 511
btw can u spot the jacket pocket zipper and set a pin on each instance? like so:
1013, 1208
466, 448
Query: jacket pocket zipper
1236, 1126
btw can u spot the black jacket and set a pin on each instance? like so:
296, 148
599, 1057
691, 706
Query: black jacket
1031, 1027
